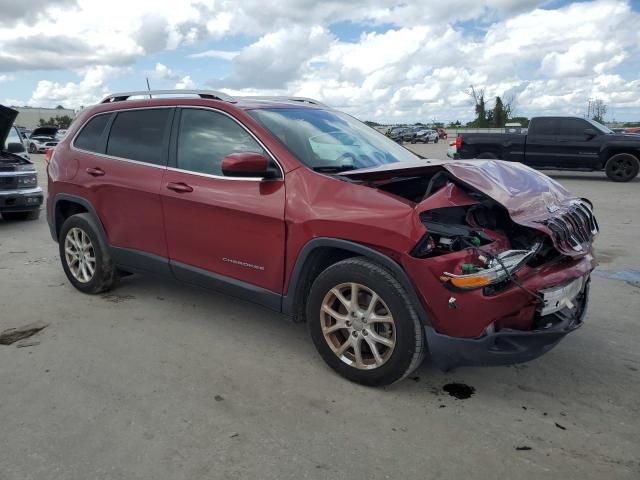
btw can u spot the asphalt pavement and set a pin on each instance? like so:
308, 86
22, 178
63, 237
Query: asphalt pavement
157, 380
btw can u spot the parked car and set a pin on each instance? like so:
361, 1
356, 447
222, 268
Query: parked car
397, 134
303, 209
42, 139
442, 133
569, 143
425, 136
20, 196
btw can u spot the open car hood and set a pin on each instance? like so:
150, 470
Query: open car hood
7, 117
532, 199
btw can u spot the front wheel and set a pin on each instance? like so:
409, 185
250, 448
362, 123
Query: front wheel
363, 324
32, 148
622, 167
435, 140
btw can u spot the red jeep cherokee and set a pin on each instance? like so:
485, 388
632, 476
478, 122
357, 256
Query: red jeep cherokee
307, 211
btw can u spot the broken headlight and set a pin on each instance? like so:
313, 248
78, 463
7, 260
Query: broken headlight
494, 270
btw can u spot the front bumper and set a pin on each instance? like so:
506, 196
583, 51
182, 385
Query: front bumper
507, 346
21, 200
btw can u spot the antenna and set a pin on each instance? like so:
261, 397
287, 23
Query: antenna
148, 87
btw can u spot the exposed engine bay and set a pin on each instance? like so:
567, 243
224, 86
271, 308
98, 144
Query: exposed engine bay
480, 244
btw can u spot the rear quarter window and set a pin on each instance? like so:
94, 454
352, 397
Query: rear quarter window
140, 135
91, 134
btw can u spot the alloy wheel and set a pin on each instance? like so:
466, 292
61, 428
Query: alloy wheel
358, 326
80, 255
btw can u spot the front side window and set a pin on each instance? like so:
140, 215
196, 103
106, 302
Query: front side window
91, 134
329, 141
206, 137
574, 127
139, 135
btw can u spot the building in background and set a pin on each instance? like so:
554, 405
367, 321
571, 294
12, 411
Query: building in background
29, 117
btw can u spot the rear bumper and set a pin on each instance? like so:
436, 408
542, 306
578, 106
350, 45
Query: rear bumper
21, 200
507, 346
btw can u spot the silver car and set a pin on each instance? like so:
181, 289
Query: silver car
42, 139
425, 136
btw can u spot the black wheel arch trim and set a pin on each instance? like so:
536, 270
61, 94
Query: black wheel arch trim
54, 228
289, 298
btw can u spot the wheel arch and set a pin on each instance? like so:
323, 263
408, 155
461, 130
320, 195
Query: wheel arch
64, 206
319, 253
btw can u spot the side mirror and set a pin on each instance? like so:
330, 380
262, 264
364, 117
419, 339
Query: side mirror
590, 133
245, 164
15, 147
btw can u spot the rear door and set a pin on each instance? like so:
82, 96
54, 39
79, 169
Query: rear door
218, 228
121, 158
541, 147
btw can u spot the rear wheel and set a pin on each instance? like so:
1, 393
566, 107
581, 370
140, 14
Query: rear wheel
84, 255
622, 167
363, 324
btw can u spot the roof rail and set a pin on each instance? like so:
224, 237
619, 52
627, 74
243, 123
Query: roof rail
211, 94
287, 99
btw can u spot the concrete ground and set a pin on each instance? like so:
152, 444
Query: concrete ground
156, 380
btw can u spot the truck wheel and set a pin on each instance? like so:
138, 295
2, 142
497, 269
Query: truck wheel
487, 155
84, 255
363, 324
622, 167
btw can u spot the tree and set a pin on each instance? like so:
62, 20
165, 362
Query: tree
499, 114
372, 124
480, 107
63, 121
59, 107
596, 110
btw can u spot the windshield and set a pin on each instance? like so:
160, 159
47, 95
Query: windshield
599, 126
330, 141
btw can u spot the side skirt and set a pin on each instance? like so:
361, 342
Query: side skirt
147, 263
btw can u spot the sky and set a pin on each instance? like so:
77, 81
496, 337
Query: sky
382, 60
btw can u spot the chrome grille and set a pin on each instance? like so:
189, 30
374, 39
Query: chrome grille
574, 228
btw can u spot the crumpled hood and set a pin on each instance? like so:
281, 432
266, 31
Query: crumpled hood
7, 117
532, 199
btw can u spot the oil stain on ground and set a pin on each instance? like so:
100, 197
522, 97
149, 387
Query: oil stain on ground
631, 276
460, 391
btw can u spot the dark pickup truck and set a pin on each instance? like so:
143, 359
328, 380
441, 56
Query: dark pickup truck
564, 143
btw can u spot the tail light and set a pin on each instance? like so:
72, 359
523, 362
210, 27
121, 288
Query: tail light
458, 142
49, 155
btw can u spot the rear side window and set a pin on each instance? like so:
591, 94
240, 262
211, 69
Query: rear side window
91, 134
207, 137
544, 126
139, 135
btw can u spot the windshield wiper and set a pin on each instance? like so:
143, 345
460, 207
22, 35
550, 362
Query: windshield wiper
333, 168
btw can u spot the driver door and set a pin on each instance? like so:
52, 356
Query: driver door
225, 229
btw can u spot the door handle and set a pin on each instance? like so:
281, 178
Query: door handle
179, 187
95, 172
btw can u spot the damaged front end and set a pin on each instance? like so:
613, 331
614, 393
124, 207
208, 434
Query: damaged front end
503, 265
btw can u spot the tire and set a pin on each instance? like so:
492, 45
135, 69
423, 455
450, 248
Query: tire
487, 155
413, 141
32, 148
104, 275
622, 167
401, 331
32, 215
436, 140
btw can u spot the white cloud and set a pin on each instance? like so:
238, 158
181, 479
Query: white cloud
550, 59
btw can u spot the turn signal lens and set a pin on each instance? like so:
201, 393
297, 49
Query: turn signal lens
471, 281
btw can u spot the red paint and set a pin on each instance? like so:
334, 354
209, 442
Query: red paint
205, 221
245, 164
